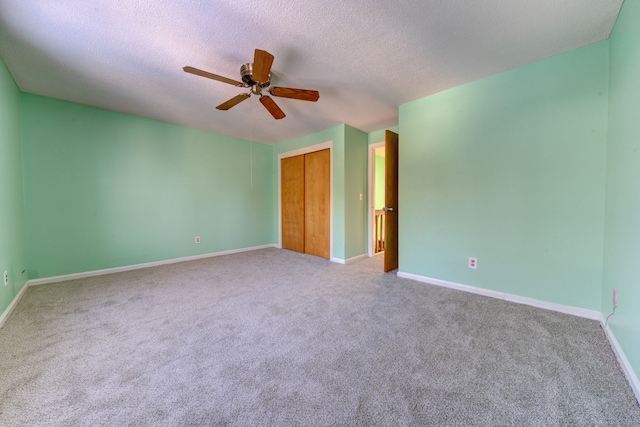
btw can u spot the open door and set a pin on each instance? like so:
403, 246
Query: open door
391, 200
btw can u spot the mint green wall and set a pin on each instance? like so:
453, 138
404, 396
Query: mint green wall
378, 202
378, 135
105, 189
337, 135
622, 219
13, 256
355, 185
510, 169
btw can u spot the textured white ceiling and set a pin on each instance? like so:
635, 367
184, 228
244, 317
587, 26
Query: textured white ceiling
365, 57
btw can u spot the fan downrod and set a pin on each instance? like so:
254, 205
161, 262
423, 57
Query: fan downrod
246, 71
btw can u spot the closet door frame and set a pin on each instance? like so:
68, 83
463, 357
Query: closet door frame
305, 150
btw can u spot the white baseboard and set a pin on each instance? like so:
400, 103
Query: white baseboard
567, 309
349, 260
63, 278
355, 258
622, 359
451, 285
5, 315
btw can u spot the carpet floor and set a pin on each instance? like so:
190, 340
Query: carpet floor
277, 338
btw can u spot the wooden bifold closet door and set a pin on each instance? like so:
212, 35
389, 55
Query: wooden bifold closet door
306, 202
292, 194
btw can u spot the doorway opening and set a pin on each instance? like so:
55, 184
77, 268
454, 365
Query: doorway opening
383, 223
377, 216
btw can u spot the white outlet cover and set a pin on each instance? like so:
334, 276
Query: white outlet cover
6, 278
197, 239
473, 263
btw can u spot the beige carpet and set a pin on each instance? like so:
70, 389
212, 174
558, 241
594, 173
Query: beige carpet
276, 338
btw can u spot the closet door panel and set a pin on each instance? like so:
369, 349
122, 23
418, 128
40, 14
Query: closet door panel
292, 177
317, 201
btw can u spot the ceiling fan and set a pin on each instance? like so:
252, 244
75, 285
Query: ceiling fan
257, 76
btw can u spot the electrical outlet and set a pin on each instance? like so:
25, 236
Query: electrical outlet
615, 297
360, 196
6, 278
473, 263
197, 239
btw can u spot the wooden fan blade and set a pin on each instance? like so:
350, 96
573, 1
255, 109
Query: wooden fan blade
233, 101
302, 94
209, 75
273, 108
262, 61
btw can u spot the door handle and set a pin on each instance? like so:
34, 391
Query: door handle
387, 209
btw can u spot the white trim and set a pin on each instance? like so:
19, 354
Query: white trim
372, 194
567, 309
305, 150
348, 261
54, 279
355, 258
7, 312
622, 359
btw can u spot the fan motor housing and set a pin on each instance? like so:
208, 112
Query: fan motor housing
246, 71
